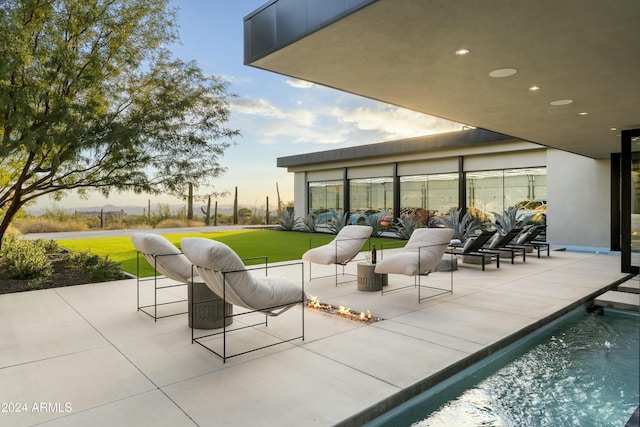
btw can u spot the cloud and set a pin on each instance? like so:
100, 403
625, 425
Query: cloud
394, 122
276, 132
258, 107
300, 84
335, 123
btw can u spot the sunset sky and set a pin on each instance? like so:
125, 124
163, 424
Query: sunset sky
276, 115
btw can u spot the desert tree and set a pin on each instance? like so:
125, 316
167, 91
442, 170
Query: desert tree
91, 99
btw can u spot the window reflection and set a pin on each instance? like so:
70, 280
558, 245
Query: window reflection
499, 190
325, 198
635, 202
371, 195
427, 195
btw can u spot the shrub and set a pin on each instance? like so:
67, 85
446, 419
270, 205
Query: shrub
12, 230
100, 269
105, 270
50, 225
24, 259
48, 246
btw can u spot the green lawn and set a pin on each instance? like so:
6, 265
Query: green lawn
276, 245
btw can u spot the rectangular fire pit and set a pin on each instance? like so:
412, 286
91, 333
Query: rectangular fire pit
344, 312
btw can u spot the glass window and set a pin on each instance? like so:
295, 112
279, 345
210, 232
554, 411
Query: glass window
485, 193
499, 190
428, 195
325, 198
371, 195
635, 202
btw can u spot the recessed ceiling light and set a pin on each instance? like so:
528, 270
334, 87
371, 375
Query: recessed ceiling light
613, 128
534, 88
562, 102
462, 51
503, 72
583, 113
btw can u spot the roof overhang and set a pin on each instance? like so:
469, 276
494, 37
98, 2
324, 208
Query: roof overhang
402, 52
391, 149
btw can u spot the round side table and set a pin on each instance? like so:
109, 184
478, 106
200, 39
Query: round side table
211, 312
368, 279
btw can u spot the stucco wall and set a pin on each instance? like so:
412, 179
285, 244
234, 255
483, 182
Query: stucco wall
300, 194
578, 213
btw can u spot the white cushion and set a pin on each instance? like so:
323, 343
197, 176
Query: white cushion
162, 254
421, 254
468, 243
495, 239
523, 237
342, 248
237, 285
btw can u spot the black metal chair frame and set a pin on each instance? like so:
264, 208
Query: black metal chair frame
475, 249
531, 242
417, 278
537, 245
267, 311
343, 264
143, 308
503, 245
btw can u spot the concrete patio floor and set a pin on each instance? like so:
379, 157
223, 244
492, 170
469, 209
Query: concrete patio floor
84, 355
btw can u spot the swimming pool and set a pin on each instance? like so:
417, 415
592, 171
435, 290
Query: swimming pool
581, 370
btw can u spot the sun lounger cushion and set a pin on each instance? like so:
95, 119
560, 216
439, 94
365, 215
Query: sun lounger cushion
524, 237
169, 260
495, 240
468, 243
211, 258
429, 243
343, 248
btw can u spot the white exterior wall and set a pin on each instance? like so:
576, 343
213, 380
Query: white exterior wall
300, 194
578, 199
579, 202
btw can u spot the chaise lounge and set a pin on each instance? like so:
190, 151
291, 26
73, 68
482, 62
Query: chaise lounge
342, 249
474, 247
167, 260
225, 273
502, 243
418, 258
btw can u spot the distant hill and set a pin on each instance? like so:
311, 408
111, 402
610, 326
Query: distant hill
140, 210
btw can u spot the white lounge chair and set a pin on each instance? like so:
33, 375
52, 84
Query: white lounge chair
342, 249
169, 261
419, 257
225, 273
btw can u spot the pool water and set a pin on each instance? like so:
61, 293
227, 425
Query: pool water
583, 370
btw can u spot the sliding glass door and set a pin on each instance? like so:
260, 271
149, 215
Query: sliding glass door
630, 188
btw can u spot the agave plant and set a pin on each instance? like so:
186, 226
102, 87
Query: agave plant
289, 222
310, 223
338, 221
463, 226
406, 225
373, 221
510, 219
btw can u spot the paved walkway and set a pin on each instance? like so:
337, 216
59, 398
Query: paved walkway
84, 355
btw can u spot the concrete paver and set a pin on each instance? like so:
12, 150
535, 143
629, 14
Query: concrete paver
88, 347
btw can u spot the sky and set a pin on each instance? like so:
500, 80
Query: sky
276, 115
